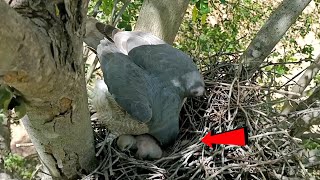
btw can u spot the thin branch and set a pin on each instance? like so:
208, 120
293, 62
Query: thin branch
257, 88
91, 69
123, 8
311, 100
96, 8
282, 63
268, 134
301, 85
114, 9
303, 120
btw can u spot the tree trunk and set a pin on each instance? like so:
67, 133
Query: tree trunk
162, 18
271, 33
41, 58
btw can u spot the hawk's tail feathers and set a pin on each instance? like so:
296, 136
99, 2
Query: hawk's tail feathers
108, 30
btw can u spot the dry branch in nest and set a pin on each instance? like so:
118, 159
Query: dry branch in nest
228, 104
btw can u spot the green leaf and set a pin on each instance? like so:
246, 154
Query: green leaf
203, 37
126, 17
20, 109
268, 68
223, 1
2, 118
107, 6
203, 19
194, 14
281, 70
6, 96
204, 7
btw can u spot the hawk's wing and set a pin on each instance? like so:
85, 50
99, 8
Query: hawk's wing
149, 51
170, 65
166, 109
127, 82
156, 56
162, 60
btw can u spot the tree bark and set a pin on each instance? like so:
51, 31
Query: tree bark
271, 33
302, 84
311, 101
4, 137
303, 120
162, 18
41, 58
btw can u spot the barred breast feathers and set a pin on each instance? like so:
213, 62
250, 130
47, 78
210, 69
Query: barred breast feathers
110, 114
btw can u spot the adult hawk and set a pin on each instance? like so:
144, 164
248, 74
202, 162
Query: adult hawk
148, 81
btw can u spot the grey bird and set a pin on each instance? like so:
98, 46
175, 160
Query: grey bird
149, 79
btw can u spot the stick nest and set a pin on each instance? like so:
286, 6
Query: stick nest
228, 104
